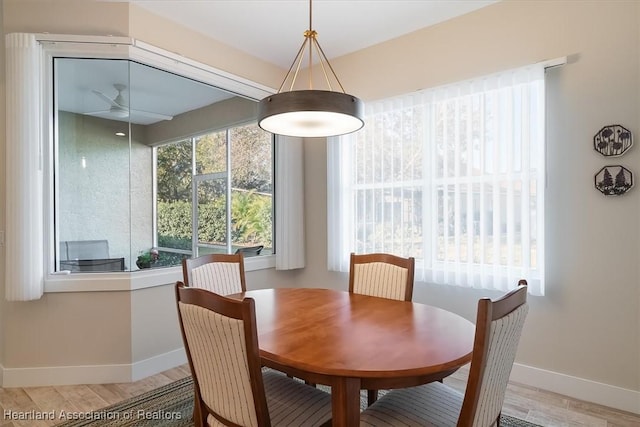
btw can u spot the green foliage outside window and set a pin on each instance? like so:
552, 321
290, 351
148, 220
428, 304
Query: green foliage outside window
251, 220
174, 172
250, 175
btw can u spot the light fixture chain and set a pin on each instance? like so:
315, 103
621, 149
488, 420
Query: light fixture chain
295, 76
324, 71
311, 34
311, 61
329, 65
297, 60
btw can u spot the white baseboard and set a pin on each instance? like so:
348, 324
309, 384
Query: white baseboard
156, 364
577, 388
90, 374
65, 375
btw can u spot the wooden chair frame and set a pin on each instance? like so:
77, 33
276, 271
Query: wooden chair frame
408, 263
188, 264
237, 309
488, 311
442, 402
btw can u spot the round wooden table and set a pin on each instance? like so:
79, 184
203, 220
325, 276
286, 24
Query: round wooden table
352, 342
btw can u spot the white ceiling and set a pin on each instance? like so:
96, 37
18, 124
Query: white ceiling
268, 29
273, 29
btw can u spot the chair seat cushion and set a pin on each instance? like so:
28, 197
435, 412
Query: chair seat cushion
433, 404
292, 403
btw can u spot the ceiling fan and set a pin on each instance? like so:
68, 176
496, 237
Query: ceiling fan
118, 106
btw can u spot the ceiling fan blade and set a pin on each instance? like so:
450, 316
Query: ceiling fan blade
124, 113
94, 113
151, 115
122, 110
106, 99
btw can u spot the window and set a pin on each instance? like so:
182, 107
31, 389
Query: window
129, 170
196, 172
453, 176
81, 128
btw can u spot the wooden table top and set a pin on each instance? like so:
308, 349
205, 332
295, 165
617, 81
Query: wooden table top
335, 333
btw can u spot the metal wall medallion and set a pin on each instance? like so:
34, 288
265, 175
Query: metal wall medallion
613, 180
613, 140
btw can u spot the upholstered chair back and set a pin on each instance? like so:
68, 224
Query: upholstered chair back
217, 350
382, 275
219, 273
221, 342
498, 330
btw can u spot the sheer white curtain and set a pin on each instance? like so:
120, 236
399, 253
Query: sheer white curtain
289, 209
453, 176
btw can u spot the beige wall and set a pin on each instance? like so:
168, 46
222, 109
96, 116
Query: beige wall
66, 17
160, 32
588, 324
2, 183
111, 328
154, 322
103, 328
68, 329
591, 311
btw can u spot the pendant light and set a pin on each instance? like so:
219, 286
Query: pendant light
311, 112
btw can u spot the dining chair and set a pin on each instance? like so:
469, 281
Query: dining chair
382, 275
219, 273
498, 328
221, 341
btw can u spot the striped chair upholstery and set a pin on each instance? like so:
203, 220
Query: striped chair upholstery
219, 273
498, 330
221, 341
382, 275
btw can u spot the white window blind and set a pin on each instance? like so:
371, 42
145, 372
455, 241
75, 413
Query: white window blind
453, 176
24, 274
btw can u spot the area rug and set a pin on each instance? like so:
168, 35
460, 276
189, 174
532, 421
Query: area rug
171, 406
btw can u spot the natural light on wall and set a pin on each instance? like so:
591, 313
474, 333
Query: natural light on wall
453, 176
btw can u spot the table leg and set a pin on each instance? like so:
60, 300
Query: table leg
345, 402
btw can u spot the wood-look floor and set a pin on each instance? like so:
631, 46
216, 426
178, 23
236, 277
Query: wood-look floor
527, 403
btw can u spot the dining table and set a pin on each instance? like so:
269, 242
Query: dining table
352, 342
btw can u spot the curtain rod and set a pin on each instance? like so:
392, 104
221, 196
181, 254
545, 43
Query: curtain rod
556, 62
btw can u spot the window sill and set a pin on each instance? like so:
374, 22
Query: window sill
134, 280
